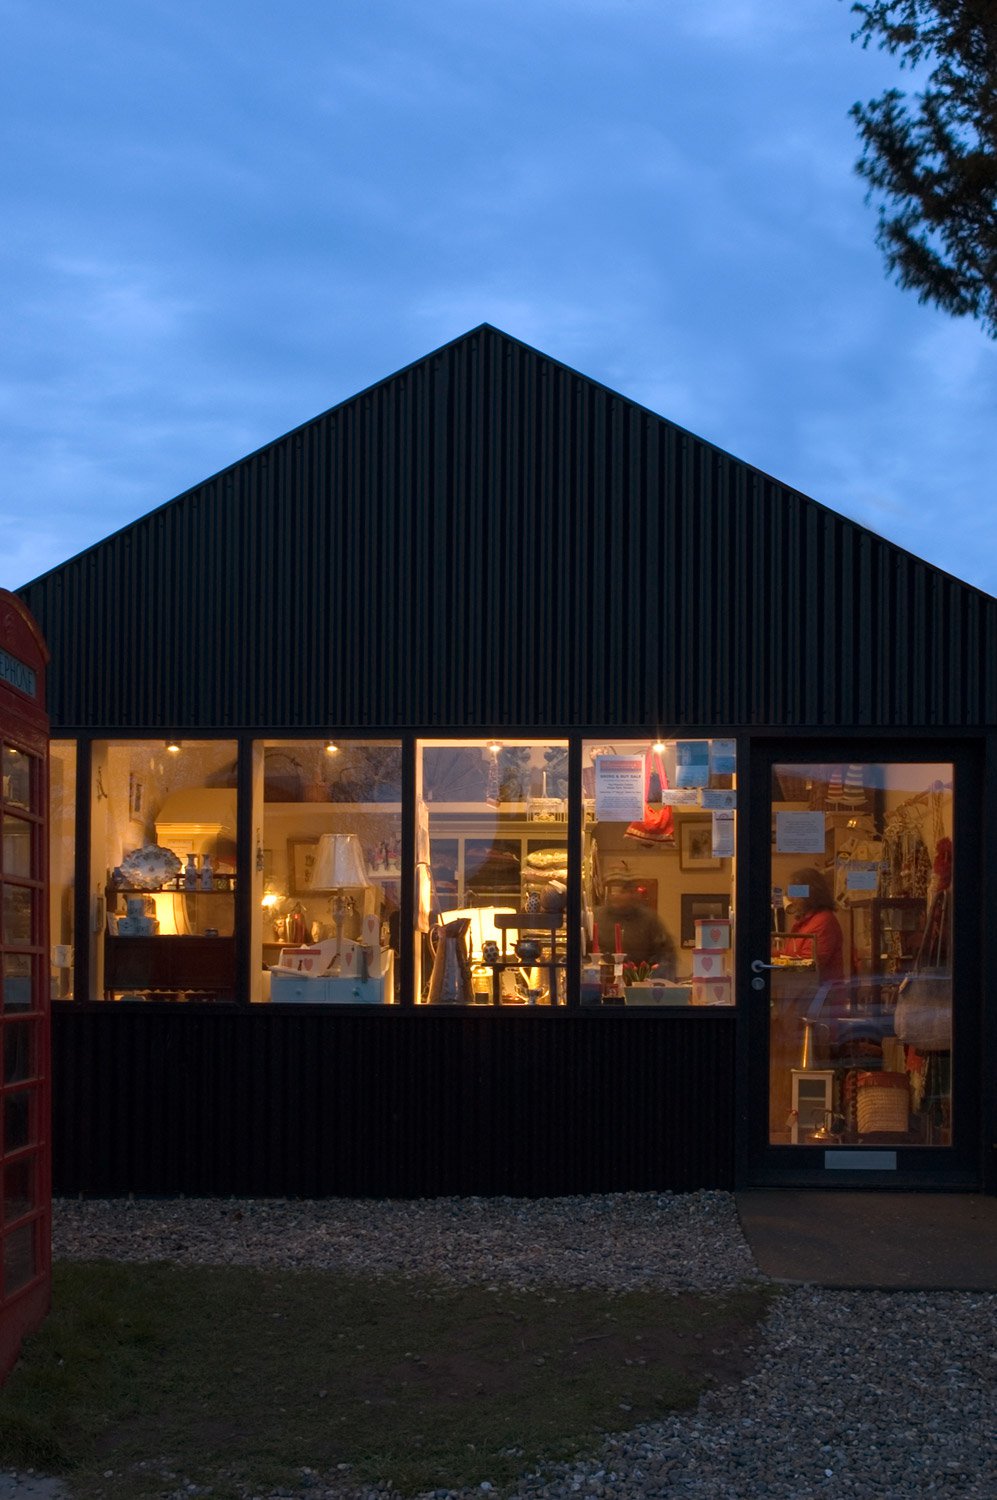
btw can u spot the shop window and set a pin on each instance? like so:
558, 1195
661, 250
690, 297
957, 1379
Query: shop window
163, 868
328, 821
658, 867
492, 864
62, 865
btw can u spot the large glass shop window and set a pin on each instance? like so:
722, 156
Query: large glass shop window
62, 865
163, 869
658, 865
492, 868
327, 883
860, 1030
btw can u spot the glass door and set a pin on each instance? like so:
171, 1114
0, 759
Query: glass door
860, 948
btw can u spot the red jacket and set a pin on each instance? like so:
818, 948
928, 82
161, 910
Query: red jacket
825, 927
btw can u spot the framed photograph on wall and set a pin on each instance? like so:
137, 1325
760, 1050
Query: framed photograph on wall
706, 906
696, 845
300, 863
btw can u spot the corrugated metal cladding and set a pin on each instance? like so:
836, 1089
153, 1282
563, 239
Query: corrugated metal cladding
166, 1099
488, 538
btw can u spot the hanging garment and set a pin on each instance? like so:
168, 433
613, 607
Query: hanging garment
657, 825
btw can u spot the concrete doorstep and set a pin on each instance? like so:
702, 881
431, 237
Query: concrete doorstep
886, 1241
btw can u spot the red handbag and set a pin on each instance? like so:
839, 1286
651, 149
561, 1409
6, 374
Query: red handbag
657, 825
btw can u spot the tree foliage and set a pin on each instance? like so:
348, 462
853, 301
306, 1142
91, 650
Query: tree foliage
932, 160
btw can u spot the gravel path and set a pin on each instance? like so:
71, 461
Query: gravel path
859, 1394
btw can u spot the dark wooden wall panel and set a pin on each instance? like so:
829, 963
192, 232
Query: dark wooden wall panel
165, 1100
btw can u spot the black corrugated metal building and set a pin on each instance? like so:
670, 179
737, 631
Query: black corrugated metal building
489, 549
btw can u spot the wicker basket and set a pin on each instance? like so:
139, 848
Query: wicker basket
882, 1103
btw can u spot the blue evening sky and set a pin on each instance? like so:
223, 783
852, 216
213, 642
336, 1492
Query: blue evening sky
221, 218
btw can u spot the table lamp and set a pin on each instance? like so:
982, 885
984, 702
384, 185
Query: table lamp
339, 867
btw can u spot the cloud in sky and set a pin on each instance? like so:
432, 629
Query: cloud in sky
223, 219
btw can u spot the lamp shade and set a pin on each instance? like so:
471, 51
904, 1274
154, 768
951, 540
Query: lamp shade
339, 863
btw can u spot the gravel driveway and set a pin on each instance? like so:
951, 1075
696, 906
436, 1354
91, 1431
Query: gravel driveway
864, 1394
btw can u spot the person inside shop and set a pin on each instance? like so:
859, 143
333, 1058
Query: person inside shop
644, 937
811, 915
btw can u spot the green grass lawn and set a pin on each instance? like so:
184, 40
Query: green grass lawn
238, 1379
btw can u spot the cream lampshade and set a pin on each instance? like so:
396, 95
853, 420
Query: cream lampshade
339, 866
339, 863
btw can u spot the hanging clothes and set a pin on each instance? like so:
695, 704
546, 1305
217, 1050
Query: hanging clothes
906, 860
657, 825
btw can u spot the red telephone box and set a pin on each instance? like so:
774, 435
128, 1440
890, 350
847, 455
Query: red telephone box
25, 1101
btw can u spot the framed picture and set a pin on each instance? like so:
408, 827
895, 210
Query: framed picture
705, 907
696, 845
300, 864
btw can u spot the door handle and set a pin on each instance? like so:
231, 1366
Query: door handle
758, 964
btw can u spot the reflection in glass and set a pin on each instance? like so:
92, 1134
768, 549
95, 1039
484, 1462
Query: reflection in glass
16, 778
860, 1034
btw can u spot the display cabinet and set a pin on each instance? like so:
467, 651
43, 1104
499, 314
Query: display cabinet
191, 956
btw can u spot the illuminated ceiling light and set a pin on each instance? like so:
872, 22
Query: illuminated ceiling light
331, 748
494, 746
173, 747
658, 747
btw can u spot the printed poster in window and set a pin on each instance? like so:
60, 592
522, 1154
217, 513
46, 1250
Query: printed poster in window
619, 788
799, 832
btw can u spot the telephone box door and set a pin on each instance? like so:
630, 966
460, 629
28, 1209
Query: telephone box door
25, 1136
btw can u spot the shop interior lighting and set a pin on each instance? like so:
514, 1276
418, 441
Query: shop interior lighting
331, 748
173, 747
494, 746
658, 747
483, 928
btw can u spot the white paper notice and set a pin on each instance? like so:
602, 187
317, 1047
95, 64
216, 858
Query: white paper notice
679, 796
723, 834
861, 875
619, 788
799, 832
